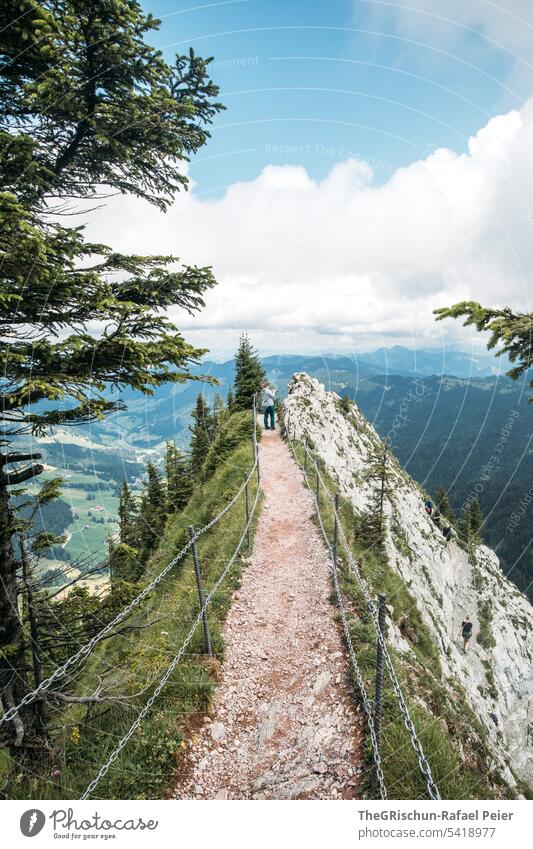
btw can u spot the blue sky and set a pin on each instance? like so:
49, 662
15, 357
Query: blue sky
374, 163
315, 83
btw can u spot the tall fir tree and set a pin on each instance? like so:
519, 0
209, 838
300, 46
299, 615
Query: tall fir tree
200, 434
152, 513
513, 332
128, 513
88, 108
219, 412
179, 478
443, 504
471, 523
249, 373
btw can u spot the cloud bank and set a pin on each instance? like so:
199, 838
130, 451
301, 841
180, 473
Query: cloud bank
347, 264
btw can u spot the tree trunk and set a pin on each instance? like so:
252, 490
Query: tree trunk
34, 636
22, 731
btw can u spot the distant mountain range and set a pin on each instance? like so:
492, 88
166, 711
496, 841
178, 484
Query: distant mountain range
446, 413
166, 414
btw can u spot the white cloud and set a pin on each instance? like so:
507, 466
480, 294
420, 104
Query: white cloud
475, 30
344, 263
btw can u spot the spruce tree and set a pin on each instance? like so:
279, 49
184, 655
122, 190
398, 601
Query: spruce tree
443, 504
471, 523
219, 412
152, 513
179, 478
249, 373
87, 109
128, 512
512, 331
200, 434
230, 402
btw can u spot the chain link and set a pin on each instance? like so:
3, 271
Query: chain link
86, 649
354, 568
367, 705
168, 672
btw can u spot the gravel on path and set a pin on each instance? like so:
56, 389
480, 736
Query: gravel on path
283, 724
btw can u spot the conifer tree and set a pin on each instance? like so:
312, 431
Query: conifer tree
230, 402
179, 478
512, 331
443, 504
218, 414
471, 523
152, 513
128, 511
87, 109
249, 373
200, 434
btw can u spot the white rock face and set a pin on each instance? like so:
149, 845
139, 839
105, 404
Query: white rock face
498, 680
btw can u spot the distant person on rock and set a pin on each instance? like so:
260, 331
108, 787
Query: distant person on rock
428, 506
268, 395
466, 631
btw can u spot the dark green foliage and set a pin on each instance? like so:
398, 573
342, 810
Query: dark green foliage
94, 105
442, 503
179, 478
484, 613
512, 331
369, 530
249, 373
85, 106
345, 405
132, 661
236, 431
128, 511
230, 402
125, 564
471, 523
379, 470
152, 513
201, 434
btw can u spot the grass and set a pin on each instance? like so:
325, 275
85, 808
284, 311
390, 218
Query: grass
452, 737
153, 757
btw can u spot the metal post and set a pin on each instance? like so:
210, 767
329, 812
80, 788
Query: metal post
382, 598
305, 455
198, 574
247, 501
317, 480
335, 529
254, 438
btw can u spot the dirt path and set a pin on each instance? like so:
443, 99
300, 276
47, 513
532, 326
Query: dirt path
282, 723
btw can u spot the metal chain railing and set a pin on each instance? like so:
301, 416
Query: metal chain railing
176, 659
354, 568
88, 647
367, 705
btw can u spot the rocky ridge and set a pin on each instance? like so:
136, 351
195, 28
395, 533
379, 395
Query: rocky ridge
496, 673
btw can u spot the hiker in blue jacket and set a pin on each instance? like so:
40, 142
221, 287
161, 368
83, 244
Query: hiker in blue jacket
268, 395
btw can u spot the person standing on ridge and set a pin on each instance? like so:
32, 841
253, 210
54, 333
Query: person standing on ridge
268, 395
466, 631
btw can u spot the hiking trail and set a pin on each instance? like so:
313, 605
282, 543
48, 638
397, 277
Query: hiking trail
283, 723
